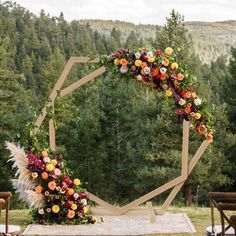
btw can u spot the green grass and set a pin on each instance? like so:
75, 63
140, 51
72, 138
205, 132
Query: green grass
199, 216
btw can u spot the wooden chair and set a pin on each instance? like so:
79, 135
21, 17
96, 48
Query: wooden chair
223, 201
5, 200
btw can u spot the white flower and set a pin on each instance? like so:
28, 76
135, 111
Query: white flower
182, 102
46, 159
76, 195
41, 211
123, 69
84, 202
163, 70
149, 54
146, 70
137, 55
192, 113
197, 101
139, 77
57, 172
165, 86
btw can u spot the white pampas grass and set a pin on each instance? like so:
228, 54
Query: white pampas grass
35, 200
24, 183
18, 156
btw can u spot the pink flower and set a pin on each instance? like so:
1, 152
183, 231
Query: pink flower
48, 210
57, 172
180, 112
182, 102
46, 193
34, 175
123, 69
76, 195
146, 70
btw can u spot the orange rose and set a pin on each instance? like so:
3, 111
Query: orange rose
70, 191
71, 214
155, 72
144, 64
123, 62
187, 94
180, 76
163, 76
201, 129
44, 154
38, 189
44, 175
187, 110
52, 185
209, 137
166, 62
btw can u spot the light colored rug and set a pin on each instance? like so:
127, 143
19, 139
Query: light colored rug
13, 229
120, 225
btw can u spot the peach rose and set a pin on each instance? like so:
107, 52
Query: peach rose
71, 214
123, 62
52, 185
38, 189
44, 175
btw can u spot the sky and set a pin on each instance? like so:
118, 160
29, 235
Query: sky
136, 11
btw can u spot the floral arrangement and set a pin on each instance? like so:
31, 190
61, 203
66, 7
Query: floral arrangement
161, 71
53, 196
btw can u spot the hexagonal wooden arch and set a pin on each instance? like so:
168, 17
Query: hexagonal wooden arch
176, 184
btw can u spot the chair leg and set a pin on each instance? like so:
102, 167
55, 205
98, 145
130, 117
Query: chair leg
222, 224
7, 214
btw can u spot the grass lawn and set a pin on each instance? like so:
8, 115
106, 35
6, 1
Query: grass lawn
200, 218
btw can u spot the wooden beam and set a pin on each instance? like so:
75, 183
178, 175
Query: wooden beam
53, 94
185, 144
77, 60
103, 203
197, 156
82, 81
151, 194
192, 164
151, 212
59, 84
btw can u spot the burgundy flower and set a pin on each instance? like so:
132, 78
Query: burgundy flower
42, 222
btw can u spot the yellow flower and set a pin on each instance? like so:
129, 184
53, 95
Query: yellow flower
151, 59
165, 62
168, 51
169, 92
194, 95
73, 206
50, 167
85, 210
55, 208
44, 154
197, 116
138, 63
142, 72
54, 162
174, 66
76, 182
116, 61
